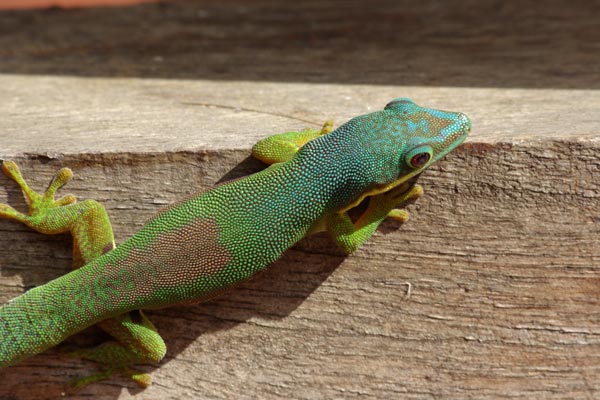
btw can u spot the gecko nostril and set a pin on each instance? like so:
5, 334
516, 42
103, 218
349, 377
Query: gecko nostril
466, 122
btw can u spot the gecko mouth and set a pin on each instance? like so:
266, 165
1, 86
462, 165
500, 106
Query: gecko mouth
405, 186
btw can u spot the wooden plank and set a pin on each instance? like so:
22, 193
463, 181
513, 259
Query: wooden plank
502, 254
57, 115
463, 43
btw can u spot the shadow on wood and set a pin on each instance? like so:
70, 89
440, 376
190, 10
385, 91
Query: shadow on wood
272, 295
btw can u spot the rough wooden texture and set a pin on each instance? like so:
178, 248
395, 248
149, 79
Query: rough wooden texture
552, 44
502, 254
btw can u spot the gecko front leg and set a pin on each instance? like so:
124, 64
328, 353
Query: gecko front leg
283, 146
351, 235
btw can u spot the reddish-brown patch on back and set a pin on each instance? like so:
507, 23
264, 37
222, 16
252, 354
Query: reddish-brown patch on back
176, 258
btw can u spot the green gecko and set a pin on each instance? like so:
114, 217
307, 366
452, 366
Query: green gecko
197, 248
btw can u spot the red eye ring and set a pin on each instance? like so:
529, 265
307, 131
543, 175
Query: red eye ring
419, 160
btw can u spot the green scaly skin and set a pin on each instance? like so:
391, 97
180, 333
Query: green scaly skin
196, 249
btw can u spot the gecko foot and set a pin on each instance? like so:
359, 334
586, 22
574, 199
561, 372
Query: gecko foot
403, 198
140, 378
38, 203
114, 360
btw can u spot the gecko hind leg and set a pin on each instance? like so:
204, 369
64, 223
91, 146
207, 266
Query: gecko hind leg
137, 341
87, 221
37, 203
136, 338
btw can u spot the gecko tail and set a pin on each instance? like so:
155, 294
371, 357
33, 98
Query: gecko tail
30, 324
45, 316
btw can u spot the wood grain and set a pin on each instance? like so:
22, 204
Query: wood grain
463, 43
501, 255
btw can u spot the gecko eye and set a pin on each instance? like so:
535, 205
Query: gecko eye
401, 100
419, 157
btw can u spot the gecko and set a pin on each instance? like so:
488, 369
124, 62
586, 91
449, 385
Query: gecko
197, 248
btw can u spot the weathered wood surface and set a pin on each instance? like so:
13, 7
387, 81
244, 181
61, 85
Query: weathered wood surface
502, 253
550, 44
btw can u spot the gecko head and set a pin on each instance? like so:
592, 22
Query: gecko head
403, 139
426, 134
